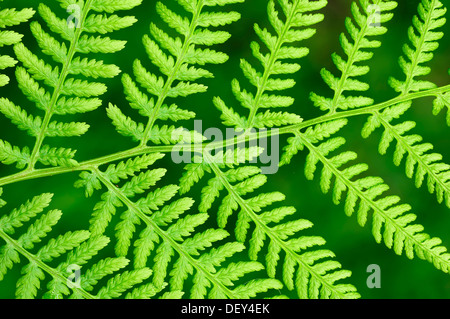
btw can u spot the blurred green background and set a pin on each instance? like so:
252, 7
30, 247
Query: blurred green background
354, 246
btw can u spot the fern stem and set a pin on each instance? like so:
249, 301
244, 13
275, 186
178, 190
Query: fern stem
269, 232
37, 261
291, 129
161, 233
57, 91
172, 76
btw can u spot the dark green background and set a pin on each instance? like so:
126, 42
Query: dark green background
354, 246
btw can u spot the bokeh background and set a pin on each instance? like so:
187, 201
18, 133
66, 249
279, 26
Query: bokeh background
353, 245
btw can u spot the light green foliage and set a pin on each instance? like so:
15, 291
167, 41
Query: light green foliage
219, 231
367, 23
423, 36
181, 62
441, 102
312, 273
166, 232
9, 18
420, 163
64, 91
79, 247
312, 278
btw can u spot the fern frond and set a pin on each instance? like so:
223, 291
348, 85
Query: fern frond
9, 18
430, 18
167, 235
441, 102
78, 246
10, 154
420, 163
180, 61
358, 48
312, 273
70, 94
164, 243
300, 17
392, 222
301, 269
106, 208
316, 134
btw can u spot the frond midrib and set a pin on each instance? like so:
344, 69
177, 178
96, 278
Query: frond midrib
54, 273
171, 78
243, 204
57, 91
370, 202
400, 139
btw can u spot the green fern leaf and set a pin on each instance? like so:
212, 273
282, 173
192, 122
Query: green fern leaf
79, 246
164, 243
178, 61
392, 222
67, 90
357, 49
8, 18
440, 103
318, 133
312, 279
166, 234
420, 163
294, 29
